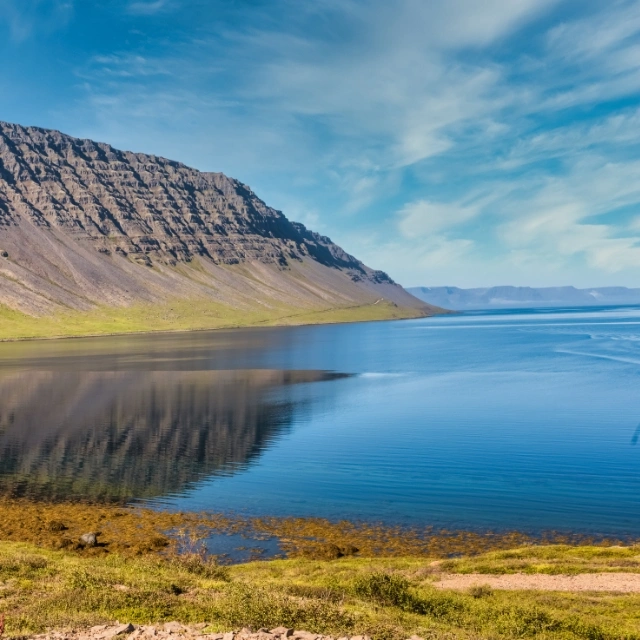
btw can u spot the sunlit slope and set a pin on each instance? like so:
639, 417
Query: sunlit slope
96, 240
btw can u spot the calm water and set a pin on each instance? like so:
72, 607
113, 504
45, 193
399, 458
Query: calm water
499, 420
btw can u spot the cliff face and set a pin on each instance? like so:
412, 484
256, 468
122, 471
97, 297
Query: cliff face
83, 224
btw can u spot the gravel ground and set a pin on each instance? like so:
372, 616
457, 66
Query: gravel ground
177, 631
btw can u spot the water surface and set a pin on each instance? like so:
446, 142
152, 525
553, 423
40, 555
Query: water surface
491, 420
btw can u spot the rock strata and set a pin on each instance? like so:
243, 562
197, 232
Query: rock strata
82, 224
178, 631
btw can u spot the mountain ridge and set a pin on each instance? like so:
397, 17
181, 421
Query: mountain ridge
510, 296
84, 225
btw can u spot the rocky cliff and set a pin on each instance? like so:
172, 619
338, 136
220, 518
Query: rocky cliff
83, 224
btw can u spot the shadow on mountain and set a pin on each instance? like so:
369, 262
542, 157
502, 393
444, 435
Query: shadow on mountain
120, 435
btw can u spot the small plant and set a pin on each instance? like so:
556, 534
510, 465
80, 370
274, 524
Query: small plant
480, 591
190, 542
191, 555
388, 589
526, 621
316, 592
85, 580
203, 566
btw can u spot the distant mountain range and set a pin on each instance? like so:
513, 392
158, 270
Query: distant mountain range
505, 297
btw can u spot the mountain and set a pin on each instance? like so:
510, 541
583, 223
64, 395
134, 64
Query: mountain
86, 226
505, 297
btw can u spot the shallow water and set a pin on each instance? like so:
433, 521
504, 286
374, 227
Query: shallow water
494, 420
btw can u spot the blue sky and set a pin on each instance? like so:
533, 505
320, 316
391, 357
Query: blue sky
444, 141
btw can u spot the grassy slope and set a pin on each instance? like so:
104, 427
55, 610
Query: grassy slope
387, 598
181, 315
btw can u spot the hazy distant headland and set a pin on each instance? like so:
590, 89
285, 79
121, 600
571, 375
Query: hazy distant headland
507, 296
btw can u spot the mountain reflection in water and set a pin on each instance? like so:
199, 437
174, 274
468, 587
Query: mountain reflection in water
118, 435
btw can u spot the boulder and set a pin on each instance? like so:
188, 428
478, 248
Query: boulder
89, 539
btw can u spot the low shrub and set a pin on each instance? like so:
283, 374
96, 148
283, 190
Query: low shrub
385, 589
388, 589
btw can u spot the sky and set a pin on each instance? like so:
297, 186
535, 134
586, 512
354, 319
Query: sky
447, 142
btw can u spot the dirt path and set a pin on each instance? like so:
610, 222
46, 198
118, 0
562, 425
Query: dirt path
618, 582
177, 631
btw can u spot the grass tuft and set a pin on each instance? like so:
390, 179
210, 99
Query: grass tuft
201, 565
480, 591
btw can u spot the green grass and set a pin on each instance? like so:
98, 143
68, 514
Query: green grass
554, 560
181, 315
385, 598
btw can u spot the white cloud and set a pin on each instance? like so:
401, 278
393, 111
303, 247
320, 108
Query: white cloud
409, 120
562, 216
392, 81
124, 66
435, 255
423, 218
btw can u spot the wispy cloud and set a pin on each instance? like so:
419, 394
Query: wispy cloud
149, 8
422, 218
24, 18
427, 134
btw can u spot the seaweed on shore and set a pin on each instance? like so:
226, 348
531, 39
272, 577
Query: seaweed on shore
136, 531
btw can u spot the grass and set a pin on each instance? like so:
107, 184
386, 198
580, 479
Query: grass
340, 578
553, 560
385, 598
181, 315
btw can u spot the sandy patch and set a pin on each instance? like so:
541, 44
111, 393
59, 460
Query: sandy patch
616, 582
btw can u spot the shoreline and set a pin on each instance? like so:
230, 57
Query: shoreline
231, 327
133, 579
132, 529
